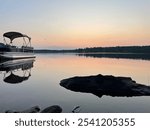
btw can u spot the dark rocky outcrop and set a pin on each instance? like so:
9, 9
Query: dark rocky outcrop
100, 85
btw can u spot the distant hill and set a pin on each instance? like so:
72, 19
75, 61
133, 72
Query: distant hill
117, 49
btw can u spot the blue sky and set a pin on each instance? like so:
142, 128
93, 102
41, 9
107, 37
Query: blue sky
78, 23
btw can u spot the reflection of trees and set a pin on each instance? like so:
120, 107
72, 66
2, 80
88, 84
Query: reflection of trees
117, 55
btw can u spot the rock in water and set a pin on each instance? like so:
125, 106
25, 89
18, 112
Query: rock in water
76, 109
34, 109
52, 109
100, 85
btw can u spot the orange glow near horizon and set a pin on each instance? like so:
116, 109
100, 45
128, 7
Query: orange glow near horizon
85, 39
92, 35
71, 65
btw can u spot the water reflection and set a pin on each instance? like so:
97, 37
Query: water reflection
16, 71
140, 56
42, 88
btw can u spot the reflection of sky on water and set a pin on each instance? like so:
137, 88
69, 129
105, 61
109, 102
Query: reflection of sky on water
43, 88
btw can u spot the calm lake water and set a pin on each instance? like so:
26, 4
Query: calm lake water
41, 85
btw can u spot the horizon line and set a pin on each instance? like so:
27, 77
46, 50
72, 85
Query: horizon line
94, 47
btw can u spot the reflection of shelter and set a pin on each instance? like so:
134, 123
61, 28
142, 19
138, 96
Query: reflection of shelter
12, 78
16, 71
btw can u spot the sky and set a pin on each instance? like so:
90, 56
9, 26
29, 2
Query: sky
66, 24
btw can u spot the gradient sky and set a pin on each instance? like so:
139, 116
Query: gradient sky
56, 24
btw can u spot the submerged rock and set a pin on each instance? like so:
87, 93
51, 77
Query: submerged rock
76, 109
52, 109
36, 109
100, 85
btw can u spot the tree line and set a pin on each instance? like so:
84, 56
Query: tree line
117, 49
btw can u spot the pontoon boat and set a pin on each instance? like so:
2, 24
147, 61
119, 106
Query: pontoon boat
10, 51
